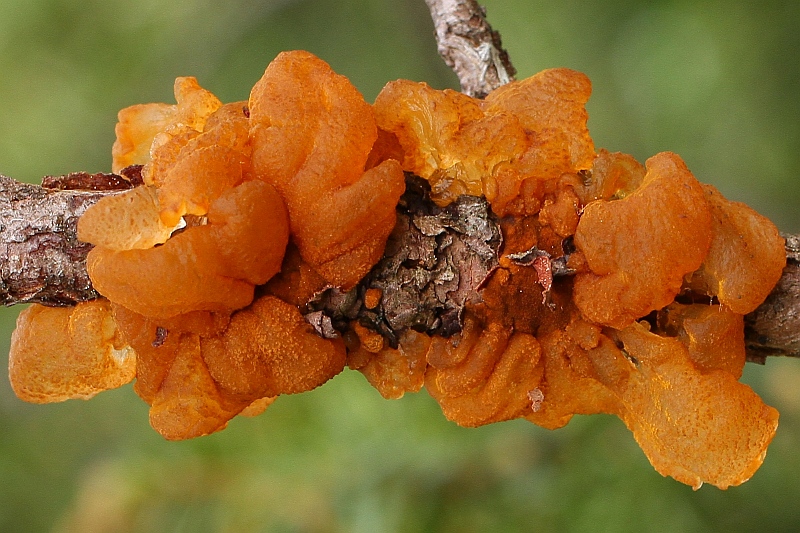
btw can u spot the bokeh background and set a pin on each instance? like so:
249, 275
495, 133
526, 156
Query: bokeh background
716, 81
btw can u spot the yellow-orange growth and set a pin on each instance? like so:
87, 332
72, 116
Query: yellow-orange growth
251, 208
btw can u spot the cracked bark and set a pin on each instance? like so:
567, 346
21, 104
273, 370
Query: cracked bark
435, 262
470, 46
41, 260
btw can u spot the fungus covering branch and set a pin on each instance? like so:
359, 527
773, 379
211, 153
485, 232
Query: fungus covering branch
42, 261
482, 248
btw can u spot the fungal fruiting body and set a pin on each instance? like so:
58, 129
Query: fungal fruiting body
617, 288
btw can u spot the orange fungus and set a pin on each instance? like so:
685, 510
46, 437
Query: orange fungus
619, 288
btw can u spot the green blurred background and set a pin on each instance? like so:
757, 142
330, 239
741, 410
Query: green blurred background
714, 81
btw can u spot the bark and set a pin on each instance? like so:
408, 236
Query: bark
41, 259
434, 264
774, 328
469, 46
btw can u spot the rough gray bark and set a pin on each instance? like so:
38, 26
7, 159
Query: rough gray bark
41, 259
469, 46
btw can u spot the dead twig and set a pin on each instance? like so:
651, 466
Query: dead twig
470, 46
42, 261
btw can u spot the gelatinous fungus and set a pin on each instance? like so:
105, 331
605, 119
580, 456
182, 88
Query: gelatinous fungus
531, 129
59, 353
312, 133
639, 248
393, 372
696, 426
446, 137
484, 374
139, 124
216, 265
746, 257
250, 264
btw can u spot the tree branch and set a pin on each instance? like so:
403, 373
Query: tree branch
42, 261
470, 46
41, 258
774, 328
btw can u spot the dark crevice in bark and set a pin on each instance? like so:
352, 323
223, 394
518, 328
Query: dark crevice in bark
435, 262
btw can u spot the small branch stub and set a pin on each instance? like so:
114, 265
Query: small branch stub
41, 258
470, 47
